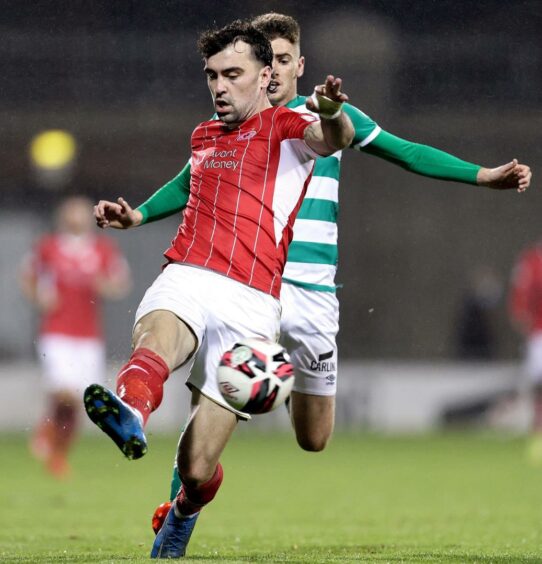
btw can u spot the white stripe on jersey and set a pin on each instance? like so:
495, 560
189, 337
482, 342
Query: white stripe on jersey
321, 274
239, 197
197, 207
214, 222
195, 222
291, 172
371, 137
315, 231
323, 188
262, 198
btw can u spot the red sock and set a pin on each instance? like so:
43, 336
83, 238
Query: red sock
191, 500
140, 382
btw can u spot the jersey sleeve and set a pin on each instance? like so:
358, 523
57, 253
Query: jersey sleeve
421, 159
291, 126
169, 199
365, 129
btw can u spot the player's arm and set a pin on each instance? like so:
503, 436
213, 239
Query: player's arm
167, 200
42, 296
434, 163
334, 131
28, 282
114, 281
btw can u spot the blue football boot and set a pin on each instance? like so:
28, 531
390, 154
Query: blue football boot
172, 539
116, 419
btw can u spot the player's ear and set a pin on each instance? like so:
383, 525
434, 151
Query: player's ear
265, 76
300, 67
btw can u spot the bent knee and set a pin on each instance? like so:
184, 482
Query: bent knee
193, 473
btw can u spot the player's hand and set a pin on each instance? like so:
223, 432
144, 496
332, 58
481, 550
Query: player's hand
118, 215
46, 300
327, 99
506, 177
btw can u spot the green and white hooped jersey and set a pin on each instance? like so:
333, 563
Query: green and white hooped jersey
312, 256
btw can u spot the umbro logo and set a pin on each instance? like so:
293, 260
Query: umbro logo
246, 135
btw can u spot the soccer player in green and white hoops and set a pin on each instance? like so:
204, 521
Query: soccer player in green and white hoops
310, 309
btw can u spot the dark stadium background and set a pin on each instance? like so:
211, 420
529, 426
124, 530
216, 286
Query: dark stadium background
125, 79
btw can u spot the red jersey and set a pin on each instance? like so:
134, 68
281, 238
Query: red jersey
68, 267
526, 290
246, 188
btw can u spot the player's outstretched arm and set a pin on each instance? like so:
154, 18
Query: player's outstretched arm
512, 175
434, 163
169, 199
334, 131
118, 215
166, 201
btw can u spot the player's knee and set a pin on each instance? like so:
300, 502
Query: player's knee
195, 471
314, 442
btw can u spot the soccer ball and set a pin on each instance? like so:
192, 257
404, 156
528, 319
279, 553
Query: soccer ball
255, 375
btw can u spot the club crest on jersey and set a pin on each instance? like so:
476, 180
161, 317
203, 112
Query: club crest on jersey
246, 135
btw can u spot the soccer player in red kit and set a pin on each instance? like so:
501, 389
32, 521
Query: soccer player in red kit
525, 304
65, 277
249, 172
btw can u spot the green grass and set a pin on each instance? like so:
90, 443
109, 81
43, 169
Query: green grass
449, 498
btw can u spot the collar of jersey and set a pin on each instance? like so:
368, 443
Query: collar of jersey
297, 101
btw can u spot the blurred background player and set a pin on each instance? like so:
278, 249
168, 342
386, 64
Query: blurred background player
65, 277
525, 305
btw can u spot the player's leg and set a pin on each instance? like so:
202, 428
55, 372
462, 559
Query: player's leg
162, 510
65, 420
313, 418
533, 371
309, 327
170, 322
247, 313
200, 448
54, 435
161, 341
67, 363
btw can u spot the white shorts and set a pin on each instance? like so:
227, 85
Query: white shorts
71, 363
219, 310
308, 330
533, 358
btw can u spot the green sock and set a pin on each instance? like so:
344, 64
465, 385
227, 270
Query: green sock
175, 484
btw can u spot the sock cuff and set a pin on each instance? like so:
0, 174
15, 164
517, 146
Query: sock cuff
203, 494
152, 359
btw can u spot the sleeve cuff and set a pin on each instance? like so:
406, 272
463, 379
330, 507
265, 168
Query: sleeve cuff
144, 213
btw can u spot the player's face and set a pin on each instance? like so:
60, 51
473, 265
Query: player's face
75, 216
288, 66
238, 83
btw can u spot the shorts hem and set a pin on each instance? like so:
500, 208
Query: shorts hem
322, 393
240, 414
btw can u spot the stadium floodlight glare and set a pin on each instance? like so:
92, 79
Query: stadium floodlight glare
53, 149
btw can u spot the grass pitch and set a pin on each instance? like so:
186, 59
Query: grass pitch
449, 498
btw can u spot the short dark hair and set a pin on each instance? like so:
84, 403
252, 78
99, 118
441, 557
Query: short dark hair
213, 41
274, 25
